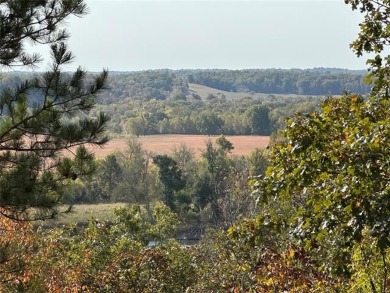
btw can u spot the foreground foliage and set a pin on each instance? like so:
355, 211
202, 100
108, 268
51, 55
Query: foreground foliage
328, 185
115, 258
251, 256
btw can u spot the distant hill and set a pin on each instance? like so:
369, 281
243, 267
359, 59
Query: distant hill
317, 81
249, 82
178, 84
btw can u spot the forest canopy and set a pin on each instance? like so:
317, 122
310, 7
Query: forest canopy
212, 102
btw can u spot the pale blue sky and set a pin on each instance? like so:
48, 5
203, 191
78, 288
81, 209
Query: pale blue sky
137, 35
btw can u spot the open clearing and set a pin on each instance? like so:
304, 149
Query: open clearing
165, 144
203, 91
82, 213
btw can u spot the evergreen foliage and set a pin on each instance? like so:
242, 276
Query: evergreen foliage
38, 21
34, 135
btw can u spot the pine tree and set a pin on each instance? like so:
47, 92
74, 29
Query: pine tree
44, 123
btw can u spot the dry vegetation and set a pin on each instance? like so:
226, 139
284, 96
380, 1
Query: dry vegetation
165, 144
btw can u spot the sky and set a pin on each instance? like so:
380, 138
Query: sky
129, 35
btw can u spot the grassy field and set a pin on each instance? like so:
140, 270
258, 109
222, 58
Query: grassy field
204, 91
83, 213
165, 144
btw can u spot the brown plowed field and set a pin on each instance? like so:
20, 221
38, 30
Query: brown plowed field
164, 144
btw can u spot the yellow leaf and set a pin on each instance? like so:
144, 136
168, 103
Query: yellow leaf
291, 253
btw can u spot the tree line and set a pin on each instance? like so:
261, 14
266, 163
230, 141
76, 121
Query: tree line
213, 115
